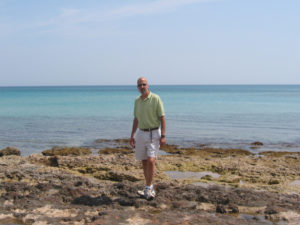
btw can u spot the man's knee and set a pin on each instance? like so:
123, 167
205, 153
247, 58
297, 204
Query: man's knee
151, 160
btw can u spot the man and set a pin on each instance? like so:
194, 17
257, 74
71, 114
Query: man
149, 116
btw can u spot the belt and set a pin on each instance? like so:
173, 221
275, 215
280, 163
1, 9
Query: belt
149, 129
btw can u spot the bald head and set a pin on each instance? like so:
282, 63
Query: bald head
142, 79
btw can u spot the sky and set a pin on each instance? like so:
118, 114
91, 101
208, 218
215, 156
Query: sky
91, 42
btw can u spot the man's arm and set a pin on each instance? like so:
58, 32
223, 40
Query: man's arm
134, 128
163, 130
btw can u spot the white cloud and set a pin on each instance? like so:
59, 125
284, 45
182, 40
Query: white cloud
75, 16
72, 21
153, 7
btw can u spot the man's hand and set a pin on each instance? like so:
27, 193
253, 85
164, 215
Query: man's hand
132, 142
162, 141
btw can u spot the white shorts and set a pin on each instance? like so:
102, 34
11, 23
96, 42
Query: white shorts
144, 146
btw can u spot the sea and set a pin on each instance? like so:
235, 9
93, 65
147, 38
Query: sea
34, 119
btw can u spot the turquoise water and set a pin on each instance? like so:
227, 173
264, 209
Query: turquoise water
36, 118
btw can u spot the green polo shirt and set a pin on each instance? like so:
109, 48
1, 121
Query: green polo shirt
148, 111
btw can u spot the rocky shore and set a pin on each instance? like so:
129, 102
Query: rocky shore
193, 185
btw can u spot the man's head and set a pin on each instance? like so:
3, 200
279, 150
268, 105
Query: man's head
142, 85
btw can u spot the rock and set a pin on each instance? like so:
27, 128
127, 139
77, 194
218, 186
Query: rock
291, 217
115, 150
102, 189
224, 200
232, 208
220, 209
119, 140
272, 210
172, 149
92, 201
257, 143
184, 205
271, 182
101, 140
53, 161
126, 202
64, 151
202, 198
207, 177
115, 176
10, 151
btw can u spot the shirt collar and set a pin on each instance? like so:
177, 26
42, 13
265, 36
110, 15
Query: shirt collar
149, 96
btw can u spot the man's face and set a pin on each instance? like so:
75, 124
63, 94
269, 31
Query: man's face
142, 85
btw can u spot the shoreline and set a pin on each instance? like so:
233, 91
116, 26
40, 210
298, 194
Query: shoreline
255, 147
228, 186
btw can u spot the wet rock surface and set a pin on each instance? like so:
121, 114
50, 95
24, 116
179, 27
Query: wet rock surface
10, 151
102, 189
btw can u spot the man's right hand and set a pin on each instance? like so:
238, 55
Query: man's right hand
132, 142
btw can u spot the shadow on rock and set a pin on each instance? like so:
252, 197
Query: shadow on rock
90, 201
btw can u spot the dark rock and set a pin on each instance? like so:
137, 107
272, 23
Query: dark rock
72, 192
233, 208
207, 177
90, 201
43, 187
126, 202
223, 200
271, 182
257, 143
122, 140
78, 183
272, 210
64, 151
220, 209
53, 161
102, 213
10, 151
173, 149
202, 198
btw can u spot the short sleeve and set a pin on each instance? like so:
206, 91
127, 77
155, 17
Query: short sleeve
160, 108
135, 111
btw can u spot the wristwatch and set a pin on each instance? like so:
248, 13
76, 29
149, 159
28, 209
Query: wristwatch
162, 136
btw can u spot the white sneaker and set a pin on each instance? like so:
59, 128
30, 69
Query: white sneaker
141, 192
147, 193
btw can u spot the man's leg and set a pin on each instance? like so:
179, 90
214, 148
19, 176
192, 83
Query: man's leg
149, 166
150, 170
144, 163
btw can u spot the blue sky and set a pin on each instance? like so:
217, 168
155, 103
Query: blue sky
72, 42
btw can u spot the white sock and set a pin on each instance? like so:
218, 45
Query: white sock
150, 187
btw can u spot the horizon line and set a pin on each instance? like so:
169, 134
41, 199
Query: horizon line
95, 85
